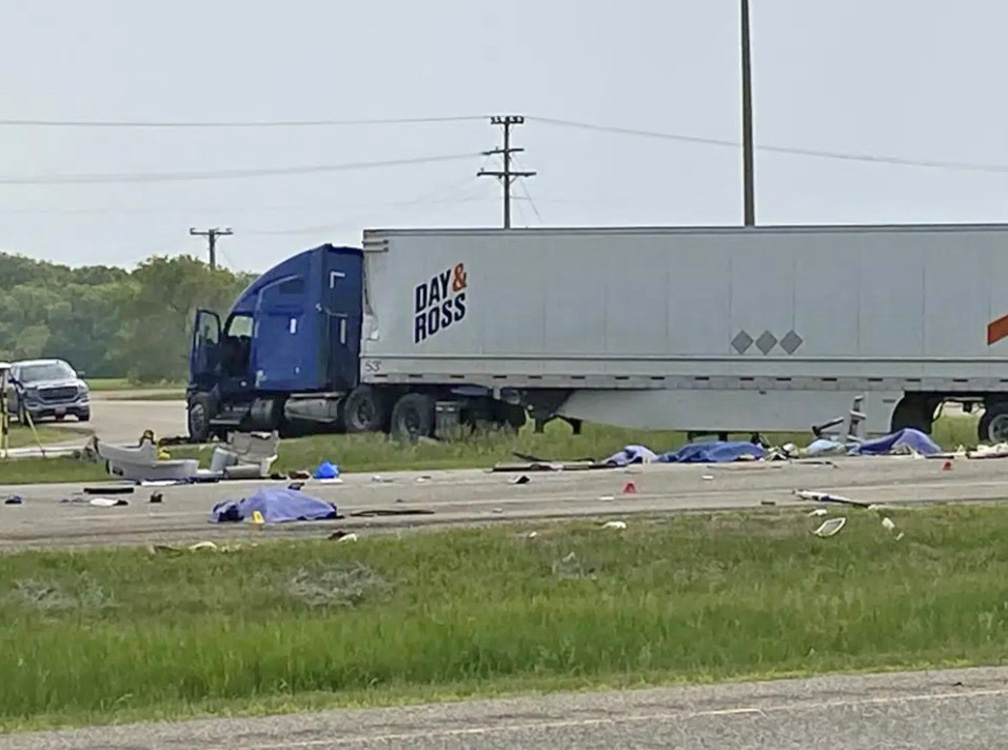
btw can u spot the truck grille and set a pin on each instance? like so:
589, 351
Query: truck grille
61, 393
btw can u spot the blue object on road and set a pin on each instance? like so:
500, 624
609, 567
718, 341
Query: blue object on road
892, 443
715, 452
326, 470
276, 506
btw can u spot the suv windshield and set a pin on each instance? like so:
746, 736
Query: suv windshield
47, 371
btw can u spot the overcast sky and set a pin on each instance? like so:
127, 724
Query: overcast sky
918, 79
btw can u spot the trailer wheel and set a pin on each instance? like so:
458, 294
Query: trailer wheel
994, 423
413, 417
915, 413
199, 415
363, 411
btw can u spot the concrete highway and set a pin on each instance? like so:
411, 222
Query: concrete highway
962, 709
410, 499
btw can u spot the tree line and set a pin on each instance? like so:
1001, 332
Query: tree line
107, 321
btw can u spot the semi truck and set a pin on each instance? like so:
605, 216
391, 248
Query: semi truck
431, 332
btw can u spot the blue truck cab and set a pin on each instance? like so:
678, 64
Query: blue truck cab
288, 349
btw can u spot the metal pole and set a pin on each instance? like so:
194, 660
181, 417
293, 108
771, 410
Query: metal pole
748, 172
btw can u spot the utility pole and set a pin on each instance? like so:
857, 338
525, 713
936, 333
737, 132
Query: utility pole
748, 176
211, 235
506, 175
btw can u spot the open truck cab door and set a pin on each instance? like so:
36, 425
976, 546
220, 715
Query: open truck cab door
204, 356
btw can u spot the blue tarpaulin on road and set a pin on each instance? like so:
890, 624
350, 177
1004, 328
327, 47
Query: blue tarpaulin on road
715, 452
893, 443
276, 506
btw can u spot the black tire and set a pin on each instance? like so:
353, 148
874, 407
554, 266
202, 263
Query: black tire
413, 417
198, 418
363, 411
993, 427
84, 417
914, 413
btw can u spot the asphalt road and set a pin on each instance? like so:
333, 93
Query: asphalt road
119, 421
962, 709
412, 499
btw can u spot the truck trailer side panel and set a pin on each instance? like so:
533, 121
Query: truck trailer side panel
610, 308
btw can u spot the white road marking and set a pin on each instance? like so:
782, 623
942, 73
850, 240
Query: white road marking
630, 719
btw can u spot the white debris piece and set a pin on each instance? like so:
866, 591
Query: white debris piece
888, 524
533, 534
818, 512
351, 537
830, 527
614, 525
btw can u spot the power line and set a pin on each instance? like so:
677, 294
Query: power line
528, 195
38, 123
798, 151
224, 174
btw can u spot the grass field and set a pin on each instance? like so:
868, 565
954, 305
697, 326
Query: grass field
145, 395
21, 437
115, 635
124, 384
369, 453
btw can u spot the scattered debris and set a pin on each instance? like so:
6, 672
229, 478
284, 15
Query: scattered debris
108, 502
201, 546
351, 537
768, 502
295, 485
830, 527
113, 490
825, 497
533, 534
156, 497
630, 489
380, 512
14, 500
607, 498
817, 512
498, 511
707, 477
521, 479
383, 480
947, 466
614, 525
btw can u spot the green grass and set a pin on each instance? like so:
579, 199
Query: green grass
49, 470
21, 437
172, 395
125, 384
115, 635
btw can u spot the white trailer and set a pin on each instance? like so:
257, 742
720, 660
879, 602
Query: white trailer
699, 329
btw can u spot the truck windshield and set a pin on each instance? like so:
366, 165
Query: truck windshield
47, 371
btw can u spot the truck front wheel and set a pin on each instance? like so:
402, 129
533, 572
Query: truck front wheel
364, 410
413, 417
199, 415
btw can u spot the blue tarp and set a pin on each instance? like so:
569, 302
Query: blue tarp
276, 506
632, 454
715, 452
907, 437
326, 470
